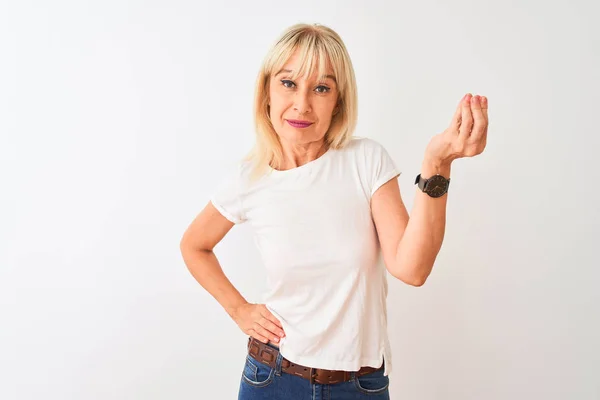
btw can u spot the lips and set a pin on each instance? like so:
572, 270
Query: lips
299, 124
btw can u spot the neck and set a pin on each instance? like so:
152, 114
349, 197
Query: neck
297, 155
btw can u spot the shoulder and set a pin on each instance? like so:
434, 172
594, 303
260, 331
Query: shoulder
233, 174
244, 173
364, 145
237, 169
369, 144
366, 149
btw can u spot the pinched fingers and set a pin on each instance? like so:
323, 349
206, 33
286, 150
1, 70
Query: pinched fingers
467, 134
484, 107
484, 110
456, 119
480, 123
466, 118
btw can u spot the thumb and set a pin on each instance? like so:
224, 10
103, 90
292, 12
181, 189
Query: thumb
457, 117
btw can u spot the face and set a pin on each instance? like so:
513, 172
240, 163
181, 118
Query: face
301, 110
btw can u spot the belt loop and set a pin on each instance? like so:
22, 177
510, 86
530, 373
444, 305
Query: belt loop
312, 376
278, 361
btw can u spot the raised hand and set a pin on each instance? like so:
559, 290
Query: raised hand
467, 134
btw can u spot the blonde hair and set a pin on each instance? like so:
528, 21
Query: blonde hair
318, 45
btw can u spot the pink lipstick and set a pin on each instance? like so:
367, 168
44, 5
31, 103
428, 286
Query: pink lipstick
298, 124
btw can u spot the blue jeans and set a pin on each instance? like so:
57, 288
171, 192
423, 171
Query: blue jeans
261, 382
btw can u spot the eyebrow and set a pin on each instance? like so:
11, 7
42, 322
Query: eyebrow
290, 71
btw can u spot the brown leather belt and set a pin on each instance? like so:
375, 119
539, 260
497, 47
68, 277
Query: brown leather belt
268, 356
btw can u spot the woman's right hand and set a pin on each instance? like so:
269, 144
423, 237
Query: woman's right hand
257, 321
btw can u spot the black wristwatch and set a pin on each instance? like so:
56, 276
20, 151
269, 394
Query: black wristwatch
436, 186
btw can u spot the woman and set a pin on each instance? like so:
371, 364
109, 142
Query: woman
324, 205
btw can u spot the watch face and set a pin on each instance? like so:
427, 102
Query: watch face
437, 186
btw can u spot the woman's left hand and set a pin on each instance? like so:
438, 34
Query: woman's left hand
467, 134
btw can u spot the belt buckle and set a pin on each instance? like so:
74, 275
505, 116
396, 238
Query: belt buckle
312, 375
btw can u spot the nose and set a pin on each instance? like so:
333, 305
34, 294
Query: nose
301, 102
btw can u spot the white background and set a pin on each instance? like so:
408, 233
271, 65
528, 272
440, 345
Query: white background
118, 117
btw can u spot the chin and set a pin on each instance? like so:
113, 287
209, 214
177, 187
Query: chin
299, 137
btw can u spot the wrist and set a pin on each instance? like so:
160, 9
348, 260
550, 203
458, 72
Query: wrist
434, 166
233, 310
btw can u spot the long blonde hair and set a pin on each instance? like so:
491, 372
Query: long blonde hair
318, 45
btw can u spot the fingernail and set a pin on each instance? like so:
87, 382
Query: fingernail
276, 339
475, 99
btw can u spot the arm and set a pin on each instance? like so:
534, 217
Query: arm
410, 245
196, 246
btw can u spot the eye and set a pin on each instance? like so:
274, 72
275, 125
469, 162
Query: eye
287, 83
324, 89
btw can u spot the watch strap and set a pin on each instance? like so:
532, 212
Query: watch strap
422, 182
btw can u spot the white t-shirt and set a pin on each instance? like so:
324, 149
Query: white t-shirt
313, 227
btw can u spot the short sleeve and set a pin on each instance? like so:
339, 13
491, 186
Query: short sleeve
226, 198
382, 166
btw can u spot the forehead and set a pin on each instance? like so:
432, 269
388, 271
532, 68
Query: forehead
309, 66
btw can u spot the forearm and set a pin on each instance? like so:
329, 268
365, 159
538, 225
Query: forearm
205, 268
424, 233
